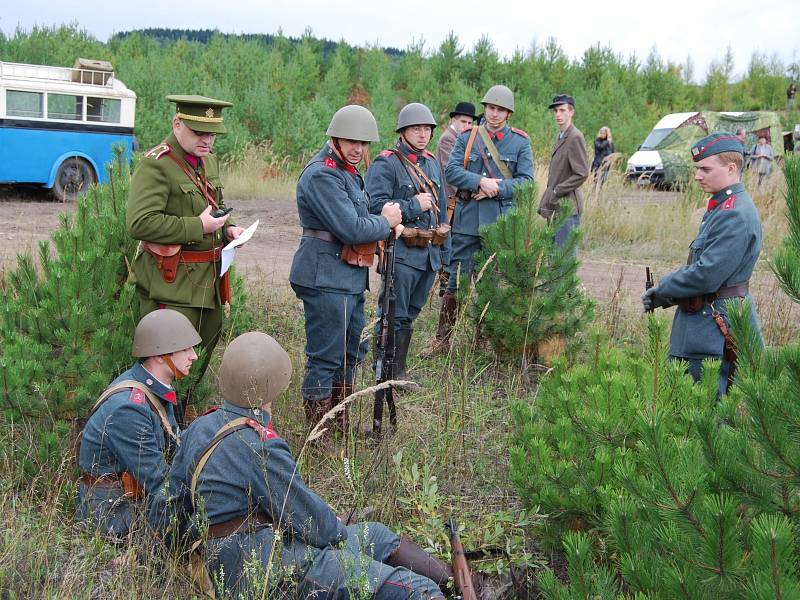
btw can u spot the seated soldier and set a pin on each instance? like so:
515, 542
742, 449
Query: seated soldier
240, 476
132, 427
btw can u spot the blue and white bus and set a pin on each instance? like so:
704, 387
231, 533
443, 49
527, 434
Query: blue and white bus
58, 126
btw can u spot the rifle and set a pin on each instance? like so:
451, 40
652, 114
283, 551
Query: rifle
461, 575
648, 282
384, 344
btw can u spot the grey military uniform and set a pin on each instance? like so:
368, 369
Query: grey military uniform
723, 254
124, 434
252, 470
388, 180
331, 198
514, 150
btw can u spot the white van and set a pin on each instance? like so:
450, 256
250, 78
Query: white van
646, 165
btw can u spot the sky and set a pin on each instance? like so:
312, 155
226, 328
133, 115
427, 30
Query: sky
701, 29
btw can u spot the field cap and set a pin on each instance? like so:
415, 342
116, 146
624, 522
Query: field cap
716, 143
199, 113
464, 108
562, 99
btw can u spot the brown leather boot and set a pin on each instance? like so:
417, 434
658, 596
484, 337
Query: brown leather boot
413, 557
340, 391
315, 410
447, 318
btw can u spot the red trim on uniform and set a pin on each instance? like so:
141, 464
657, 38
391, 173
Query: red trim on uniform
329, 162
498, 135
211, 410
137, 396
192, 160
265, 433
412, 157
161, 306
386, 153
350, 168
171, 397
520, 132
704, 149
729, 203
712, 204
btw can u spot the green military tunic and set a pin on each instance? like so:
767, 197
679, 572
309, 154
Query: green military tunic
164, 207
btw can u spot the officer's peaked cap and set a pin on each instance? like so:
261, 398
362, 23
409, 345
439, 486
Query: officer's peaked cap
199, 113
716, 143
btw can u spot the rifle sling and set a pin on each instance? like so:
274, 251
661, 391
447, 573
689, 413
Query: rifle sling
421, 178
494, 153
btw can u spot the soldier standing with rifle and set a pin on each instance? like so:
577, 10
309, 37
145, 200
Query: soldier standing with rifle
175, 209
411, 176
721, 261
487, 163
330, 269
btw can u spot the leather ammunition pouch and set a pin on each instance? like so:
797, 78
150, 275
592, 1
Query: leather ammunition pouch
440, 234
696, 303
464, 195
359, 255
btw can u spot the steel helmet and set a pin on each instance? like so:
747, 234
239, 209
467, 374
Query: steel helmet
162, 332
353, 122
414, 114
501, 96
255, 369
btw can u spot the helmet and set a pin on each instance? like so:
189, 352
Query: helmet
353, 122
163, 332
254, 370
501, 96
414, 114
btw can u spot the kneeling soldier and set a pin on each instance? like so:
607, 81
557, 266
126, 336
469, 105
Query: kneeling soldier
411, 176
132, 426
234, 468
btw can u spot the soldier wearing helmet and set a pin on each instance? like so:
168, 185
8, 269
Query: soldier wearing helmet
132, 427
412, 177
487, 163
330, 269
247, 487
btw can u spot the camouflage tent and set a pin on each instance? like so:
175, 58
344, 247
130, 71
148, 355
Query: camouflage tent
675, 149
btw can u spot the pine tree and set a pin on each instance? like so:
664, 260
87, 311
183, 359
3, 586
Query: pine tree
527, 289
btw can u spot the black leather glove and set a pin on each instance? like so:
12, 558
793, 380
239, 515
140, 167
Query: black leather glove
652, 299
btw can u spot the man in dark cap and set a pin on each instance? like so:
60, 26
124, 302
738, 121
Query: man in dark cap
461, 118
174, 196
569, 168
721, 260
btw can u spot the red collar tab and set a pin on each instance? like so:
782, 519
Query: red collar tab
265, 433
412, 157
137, 396
712, 204
171, 397
329, 162
498, 135
350, 168
730, 203
192, 160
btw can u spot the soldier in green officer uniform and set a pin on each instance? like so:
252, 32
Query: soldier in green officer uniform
174, 192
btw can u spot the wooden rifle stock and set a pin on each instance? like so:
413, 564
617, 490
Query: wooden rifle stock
461, 574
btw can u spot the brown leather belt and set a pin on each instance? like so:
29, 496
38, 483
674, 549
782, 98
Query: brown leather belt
739, 290
109, 480
202, 256
244, 524
325, 236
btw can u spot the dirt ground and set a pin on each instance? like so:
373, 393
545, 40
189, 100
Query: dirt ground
28, 216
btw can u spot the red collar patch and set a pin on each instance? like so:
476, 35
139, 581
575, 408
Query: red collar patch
729, 203
350, 168
137, 396
265, 433
498, 135
412, 157
171, 397
712, 204
329, 162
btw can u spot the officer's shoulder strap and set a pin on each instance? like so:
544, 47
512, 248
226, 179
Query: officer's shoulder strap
152, 401
223, 432
158, 151
386, 153
520, 132
470, 141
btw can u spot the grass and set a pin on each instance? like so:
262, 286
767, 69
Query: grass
256, 173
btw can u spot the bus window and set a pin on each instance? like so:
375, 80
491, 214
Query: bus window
65, 106
24, 104
103, 110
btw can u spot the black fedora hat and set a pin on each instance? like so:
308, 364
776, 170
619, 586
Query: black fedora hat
464, 108
562, 99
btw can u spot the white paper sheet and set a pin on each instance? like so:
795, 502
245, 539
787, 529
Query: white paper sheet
229, 251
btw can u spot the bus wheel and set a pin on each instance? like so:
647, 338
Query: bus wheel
74, 177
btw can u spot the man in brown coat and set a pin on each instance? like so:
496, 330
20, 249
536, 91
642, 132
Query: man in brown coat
460, 119
569, 168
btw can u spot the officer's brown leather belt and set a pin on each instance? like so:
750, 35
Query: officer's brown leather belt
244, 524
109, 480
320, 234
201, 256
695, 303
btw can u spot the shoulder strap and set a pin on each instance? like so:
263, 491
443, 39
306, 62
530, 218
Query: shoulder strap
152, 401
470, 142
487, 140
221, 434
421, 177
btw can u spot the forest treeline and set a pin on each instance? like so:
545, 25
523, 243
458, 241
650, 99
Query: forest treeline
285, 90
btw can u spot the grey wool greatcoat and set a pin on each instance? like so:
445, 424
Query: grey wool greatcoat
569, 168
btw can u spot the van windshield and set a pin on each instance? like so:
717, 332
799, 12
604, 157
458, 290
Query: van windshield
655, 138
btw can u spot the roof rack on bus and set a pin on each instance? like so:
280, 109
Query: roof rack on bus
86, 71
